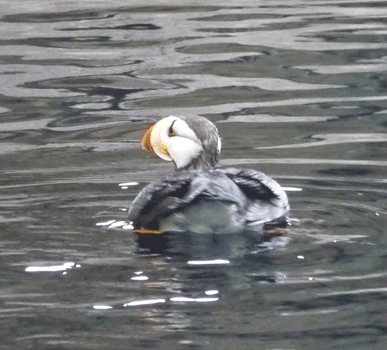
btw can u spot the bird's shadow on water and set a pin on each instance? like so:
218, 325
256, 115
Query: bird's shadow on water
193, 246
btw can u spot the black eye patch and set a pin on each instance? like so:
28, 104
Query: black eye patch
170, 130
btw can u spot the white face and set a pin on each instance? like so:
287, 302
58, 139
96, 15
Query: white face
183, 150
173, 139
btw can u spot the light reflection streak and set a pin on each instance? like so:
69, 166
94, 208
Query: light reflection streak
196, 300
209, 262
211, 292
317, 278
144, 302
361, 277
291, 189
128, 227
333, 139
173, 299
53, 268
139, 278
126, 185
354, 292
311, 312
106, 223
116, 224
102, 307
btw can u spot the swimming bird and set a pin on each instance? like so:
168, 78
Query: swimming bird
200, 197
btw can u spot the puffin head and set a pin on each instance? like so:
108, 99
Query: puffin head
190, 142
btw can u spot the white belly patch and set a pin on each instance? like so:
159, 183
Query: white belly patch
205, 217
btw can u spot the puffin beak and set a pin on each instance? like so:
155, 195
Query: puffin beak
152, 140
146, 139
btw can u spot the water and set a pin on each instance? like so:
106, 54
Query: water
297, 90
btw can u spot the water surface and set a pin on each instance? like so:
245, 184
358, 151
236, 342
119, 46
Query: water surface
296, 89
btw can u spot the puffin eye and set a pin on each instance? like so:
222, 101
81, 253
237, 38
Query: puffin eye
171, 133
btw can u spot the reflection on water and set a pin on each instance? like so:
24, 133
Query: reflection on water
297, 90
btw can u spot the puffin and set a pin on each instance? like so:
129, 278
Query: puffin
199, 197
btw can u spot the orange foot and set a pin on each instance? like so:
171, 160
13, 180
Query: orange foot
144, 231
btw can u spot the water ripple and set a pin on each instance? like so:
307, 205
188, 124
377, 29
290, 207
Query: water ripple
296, 89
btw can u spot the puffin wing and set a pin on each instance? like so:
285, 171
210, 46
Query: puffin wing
267, 200
155, 200
258, 198
174, 193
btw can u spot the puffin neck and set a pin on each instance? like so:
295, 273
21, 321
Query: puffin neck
199, 163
